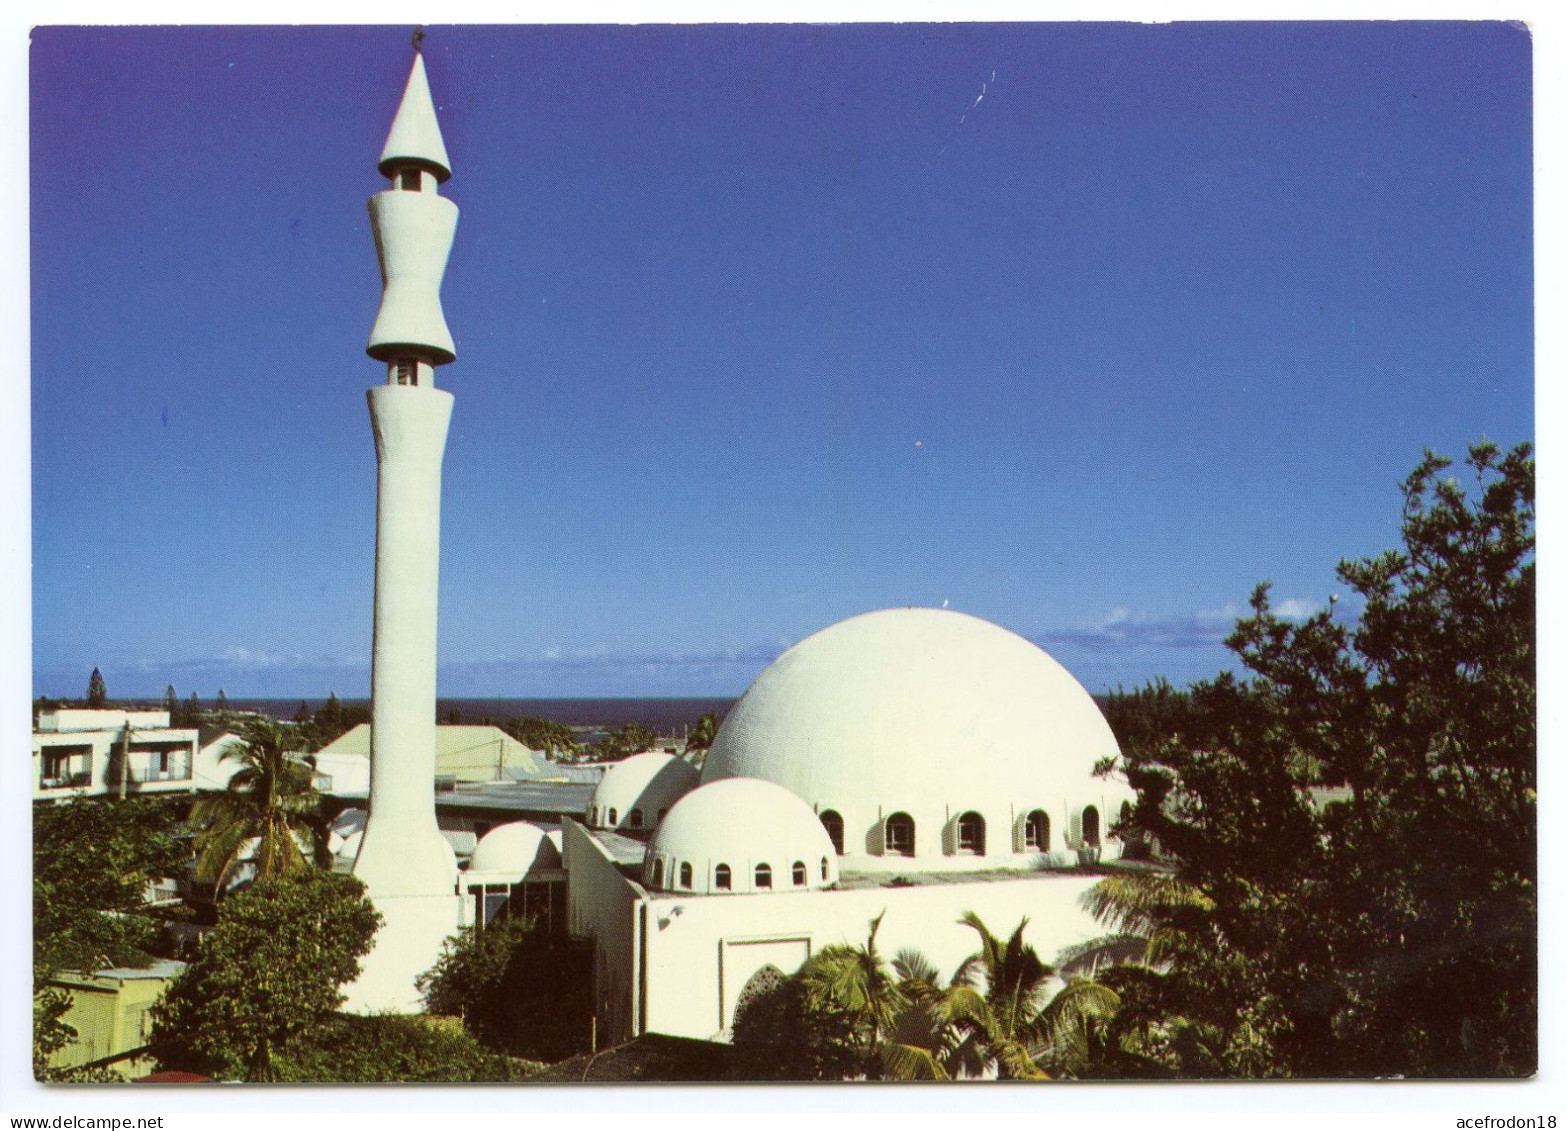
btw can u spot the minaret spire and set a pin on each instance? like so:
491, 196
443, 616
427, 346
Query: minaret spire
407, 866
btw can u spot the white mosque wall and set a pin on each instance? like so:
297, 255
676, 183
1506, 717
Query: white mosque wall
700, 951
602, 904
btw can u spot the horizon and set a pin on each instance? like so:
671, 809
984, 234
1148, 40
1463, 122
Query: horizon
1084, 329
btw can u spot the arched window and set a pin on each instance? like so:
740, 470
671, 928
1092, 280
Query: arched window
685, 875
635, 820
971, 834
614, 816
798, 873
824, 869
1036, 831
1091, 827
764, 876
834, 826
899, 837
658, 873
721, 877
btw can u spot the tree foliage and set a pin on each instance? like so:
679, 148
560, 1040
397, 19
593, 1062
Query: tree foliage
388, 1048
271, 799
92, 861
622, 742
97, 690
518, 988
269, 972
557, 740
1391, 931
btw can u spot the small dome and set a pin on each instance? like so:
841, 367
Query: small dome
740, 835
931, 739
636, 793
518, 848
349, 849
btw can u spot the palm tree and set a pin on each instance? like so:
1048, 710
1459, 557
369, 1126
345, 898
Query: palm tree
996, 995
1146, 912
854, 981
270, 800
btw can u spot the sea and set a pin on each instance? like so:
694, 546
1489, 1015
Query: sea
663, 716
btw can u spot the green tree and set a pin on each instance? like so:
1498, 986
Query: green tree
391, 1049
92, 861
171, 703
781, 1033
192, 715
1393, 932
518, 989
856, 981
271, 798
701, 737
557, 740
97, 690
622, 742
1009, 981
222, 706
269, 972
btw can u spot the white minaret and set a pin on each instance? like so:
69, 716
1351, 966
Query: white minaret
406, 864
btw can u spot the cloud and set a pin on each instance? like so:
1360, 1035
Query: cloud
1123, 629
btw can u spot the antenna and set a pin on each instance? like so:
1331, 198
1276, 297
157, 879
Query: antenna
418, 36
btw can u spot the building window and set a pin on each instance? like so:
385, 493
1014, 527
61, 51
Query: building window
834, 826
685, 875
614, 816
764, 876
636, 819
1091, 827
899, 837
407, 371
971, 834
824, 869
410, 180
721, 877
658, 873
1036, 831
798, 874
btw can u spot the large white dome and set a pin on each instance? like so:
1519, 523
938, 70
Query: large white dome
740, 835
930, 738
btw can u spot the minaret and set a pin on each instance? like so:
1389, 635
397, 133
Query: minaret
406, 864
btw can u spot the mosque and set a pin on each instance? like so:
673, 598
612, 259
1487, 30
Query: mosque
907, 764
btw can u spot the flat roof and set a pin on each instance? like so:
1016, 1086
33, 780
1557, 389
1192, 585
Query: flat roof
567, 798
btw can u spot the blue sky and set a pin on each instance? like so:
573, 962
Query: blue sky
1084, 329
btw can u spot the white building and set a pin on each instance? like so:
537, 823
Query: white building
80, 752
913, 764
909, 764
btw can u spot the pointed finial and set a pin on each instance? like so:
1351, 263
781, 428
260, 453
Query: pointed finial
418, 37
416, 135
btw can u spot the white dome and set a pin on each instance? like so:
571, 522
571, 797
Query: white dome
637, 792
350, 846
517, 848
931, 727
753, 831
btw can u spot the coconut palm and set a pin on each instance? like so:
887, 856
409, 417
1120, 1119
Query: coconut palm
1147, 912
996, 997
270, 802
856, 982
